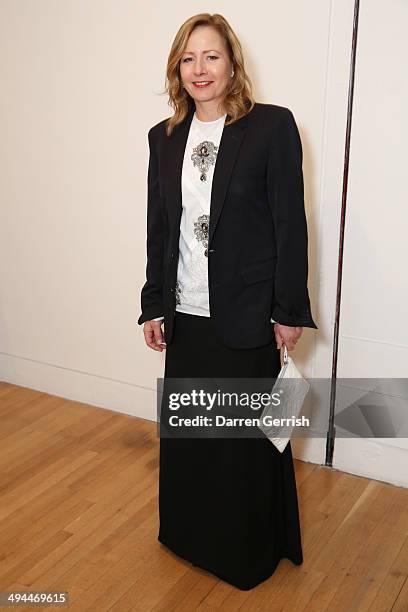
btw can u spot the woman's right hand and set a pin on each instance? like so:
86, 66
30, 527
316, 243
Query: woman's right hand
153, 335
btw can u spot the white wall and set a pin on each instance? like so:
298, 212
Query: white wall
81, 91
373, 339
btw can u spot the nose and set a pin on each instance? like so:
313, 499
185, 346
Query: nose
199, 67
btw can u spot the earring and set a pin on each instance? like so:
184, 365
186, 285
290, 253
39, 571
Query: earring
232, 74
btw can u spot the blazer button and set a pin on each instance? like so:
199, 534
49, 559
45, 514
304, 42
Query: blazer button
172, 255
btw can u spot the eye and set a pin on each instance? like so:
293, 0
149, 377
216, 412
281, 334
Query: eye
186, 59
213, 56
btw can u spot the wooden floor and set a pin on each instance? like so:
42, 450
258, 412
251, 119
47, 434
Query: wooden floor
78, 513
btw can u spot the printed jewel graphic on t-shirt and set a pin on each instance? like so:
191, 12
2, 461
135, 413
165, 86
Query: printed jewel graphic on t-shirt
204, 156
178, 291
201, 231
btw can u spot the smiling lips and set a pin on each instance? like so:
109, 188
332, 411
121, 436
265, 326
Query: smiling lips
202, 83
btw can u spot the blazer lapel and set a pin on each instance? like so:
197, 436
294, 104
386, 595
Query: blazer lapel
174, 155
230, 143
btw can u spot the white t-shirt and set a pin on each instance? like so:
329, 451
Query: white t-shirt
200, 156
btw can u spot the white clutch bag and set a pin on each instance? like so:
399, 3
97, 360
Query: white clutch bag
291, 389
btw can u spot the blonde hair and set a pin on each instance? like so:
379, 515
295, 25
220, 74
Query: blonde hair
238, 98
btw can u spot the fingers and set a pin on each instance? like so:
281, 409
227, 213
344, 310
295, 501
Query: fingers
280, 341
286, 335
154, 336
278, 336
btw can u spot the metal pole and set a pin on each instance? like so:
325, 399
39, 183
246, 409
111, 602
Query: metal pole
331, 432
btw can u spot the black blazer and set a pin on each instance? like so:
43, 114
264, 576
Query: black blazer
257, 243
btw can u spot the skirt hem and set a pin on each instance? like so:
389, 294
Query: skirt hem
246, 585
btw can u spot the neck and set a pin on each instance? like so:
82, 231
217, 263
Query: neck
208, 111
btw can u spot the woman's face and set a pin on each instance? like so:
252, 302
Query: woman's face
205, 66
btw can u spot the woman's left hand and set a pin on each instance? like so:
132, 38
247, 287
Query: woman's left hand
287, 335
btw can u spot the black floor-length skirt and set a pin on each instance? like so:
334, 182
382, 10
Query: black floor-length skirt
227, 505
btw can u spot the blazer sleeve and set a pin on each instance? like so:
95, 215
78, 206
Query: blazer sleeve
152, 291
286, 199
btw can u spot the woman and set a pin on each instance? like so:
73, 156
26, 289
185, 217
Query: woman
227, 271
